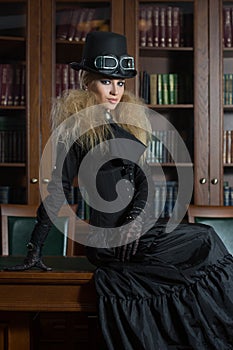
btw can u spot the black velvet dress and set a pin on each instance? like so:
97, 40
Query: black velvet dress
175, 293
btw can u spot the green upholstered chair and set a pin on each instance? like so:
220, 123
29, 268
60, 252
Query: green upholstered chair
17, 222
219, 217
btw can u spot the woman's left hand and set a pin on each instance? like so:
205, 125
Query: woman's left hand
132, 230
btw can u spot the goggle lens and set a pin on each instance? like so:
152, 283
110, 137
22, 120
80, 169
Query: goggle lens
112, 62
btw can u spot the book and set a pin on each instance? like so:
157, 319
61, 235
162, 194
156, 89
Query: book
142, 26
72, 79
176, 27
159, 89
4, 194
149, 27
4, 84
224, 156
153, 89
173, 85
17, 85
87, 23
63, 20
80, 25
12, 140
73, 23
162, 23
169, 27
165, 93
23, 86
58, 79
226, 195
64, 77
227, 27
156, 29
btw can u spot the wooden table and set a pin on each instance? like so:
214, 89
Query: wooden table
69, 287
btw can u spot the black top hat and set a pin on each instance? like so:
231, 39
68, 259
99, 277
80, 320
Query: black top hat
106, 53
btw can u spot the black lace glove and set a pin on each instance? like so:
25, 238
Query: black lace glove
133, 229
33, 258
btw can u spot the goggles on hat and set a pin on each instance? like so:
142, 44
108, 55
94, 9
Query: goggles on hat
112, 62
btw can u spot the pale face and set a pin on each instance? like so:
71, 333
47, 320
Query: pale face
108, 91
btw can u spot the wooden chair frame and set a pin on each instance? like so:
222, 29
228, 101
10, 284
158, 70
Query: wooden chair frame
25, 210
209, 211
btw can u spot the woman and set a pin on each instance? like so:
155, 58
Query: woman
156, 290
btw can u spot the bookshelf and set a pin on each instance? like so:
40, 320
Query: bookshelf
226, 103
19, 108
201, 116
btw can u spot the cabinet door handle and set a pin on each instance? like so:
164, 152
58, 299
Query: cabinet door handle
203, 181
214, 181
34, 180
45, 181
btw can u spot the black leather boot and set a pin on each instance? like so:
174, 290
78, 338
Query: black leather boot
33, 258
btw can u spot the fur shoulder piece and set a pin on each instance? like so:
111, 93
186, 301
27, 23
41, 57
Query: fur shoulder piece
71, 102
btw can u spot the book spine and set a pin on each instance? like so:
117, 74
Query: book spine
176, 27
9, 85
231, 161
142, 26
58, 79
187, 29
72, 77
4, 84
224, 146
17, 85
153, 89
23, 86
64, 17
156, 26
162, 16
146, 87
64, 77
149, 26
4, 194
169, 27
87, 25
165, 89
226, 195
73, 23
159, 89
80, 26
227, 30
229, 141
1, 76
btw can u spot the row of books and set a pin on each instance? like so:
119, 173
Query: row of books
228, 26
227, 195
165, 198
12, 146
165, 88
12, 84
66, 78
73, 24
158, 149
14, 195
227, 146
12, 139
164, 26
78, 195
228, 88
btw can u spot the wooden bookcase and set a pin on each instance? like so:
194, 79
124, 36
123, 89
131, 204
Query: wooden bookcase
19, 45
207, 114
203, 117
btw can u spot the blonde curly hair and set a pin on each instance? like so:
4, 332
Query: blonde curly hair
74, 112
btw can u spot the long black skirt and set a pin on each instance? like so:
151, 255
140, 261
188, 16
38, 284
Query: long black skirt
177, 292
